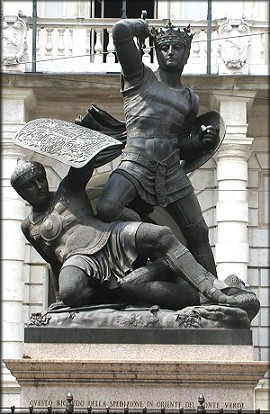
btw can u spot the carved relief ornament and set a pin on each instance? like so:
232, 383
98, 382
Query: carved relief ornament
14, 44
233, 44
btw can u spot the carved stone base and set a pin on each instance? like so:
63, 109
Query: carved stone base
153, 384
137, 367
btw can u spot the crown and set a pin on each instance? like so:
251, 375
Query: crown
172, 34
24, 171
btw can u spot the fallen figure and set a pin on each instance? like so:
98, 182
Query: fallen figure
126, 262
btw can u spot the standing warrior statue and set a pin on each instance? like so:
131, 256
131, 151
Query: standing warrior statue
160, 114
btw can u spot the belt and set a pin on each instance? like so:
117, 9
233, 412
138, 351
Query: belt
160, 170
152, 165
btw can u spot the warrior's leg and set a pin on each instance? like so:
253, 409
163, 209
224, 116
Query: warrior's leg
75, 287
151, 238
118, 192
156, 284
188, 215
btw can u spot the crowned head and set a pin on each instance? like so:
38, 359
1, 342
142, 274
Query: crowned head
171, 34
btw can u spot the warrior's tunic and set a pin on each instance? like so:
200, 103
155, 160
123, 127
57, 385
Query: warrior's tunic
155, 115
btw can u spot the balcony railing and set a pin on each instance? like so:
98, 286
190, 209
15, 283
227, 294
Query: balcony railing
85, 45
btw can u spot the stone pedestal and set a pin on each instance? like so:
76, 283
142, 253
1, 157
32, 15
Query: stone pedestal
139, 368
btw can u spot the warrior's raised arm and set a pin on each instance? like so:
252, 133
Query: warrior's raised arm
127, 52
77, 178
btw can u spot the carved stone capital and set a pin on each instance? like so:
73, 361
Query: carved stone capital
235, 148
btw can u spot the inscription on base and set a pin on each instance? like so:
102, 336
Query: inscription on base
137, 404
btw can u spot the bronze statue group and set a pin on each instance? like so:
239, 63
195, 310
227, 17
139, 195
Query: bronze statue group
118, 255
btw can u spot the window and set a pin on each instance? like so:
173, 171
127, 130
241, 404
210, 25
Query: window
53, 9
195, 10
122, 8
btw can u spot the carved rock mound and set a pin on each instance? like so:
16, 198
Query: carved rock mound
117, 316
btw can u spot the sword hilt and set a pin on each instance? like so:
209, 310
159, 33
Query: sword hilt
141, 43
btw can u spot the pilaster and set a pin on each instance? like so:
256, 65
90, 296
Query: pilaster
232, 247
16, 106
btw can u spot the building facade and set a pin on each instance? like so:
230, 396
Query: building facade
58, 58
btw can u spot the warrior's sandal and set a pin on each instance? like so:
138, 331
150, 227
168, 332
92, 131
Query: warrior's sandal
182, 263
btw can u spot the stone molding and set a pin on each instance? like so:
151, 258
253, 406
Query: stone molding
26, 95
43, 372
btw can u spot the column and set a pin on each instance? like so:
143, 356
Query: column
232, 247
16, 104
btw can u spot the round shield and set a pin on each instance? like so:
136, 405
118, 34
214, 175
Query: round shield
209, 118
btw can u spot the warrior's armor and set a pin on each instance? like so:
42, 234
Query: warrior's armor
69, 227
